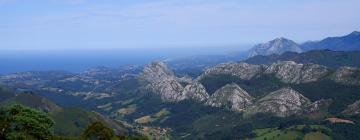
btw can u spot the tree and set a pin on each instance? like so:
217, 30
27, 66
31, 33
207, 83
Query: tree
19, 122
97, 131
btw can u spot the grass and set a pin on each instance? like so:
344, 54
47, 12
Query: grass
162, 115
316, 136
162, 112
144, 119
275, 134
128, 110
290, 133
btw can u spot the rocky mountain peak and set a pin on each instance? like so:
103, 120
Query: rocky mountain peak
355, 33
157, 69
231, 96
283, 102
279, 42
162, 81
276, 46
287, 94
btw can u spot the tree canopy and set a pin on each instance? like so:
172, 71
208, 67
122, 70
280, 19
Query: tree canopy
19, 122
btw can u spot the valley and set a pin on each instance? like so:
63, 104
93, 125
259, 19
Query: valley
272, 95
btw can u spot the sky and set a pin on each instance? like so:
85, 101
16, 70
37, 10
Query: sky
108, 24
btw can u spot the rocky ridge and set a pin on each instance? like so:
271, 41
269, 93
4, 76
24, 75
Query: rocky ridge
244, 71
287, 72
347, 75
231, 96
283, 102
291, 72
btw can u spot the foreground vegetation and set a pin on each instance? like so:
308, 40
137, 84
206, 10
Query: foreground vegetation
18, 122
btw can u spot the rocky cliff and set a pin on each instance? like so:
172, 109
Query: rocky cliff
163, 82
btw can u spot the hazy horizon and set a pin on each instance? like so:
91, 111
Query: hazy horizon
74, 35
77, 60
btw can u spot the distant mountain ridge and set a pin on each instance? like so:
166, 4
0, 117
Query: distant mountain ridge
276, 46
343, 43
282, 45
329, 58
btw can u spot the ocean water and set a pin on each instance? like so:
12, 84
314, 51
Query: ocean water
76, 60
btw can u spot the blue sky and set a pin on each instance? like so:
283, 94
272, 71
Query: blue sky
84, 24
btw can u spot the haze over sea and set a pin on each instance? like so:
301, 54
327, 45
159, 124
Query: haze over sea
77, 60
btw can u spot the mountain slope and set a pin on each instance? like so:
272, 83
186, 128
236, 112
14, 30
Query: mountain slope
352, 109
344, 43
276, 46
68, 121
34, 101
5, 94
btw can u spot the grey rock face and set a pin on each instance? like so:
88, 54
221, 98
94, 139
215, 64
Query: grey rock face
242, 70
347, 75
231, 96
195, 91
276, 46
284, 102
291, 72
286, 71
318, 106
353, 109
162, 81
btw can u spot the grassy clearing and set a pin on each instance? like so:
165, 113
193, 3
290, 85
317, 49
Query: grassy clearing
316, 136
291, 133
128, 110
